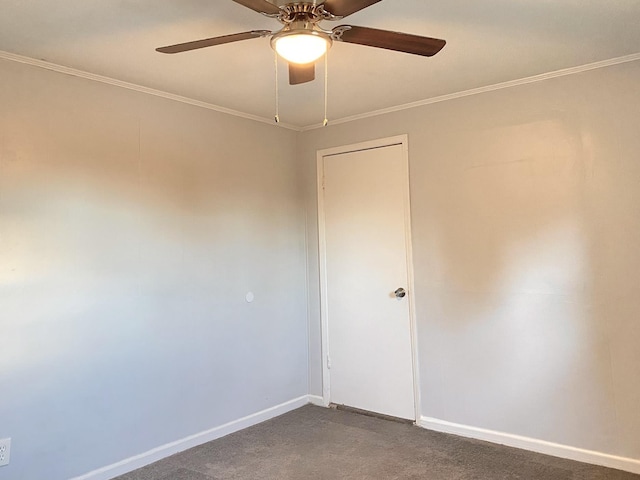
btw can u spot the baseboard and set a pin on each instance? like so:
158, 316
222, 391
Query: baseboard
316, 400
534, 445
144, 459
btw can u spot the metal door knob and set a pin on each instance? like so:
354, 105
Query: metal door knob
400, 293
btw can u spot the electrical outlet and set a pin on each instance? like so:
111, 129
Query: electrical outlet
5, 451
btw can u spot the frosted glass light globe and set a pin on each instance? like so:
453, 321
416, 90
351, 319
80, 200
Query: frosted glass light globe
301, 48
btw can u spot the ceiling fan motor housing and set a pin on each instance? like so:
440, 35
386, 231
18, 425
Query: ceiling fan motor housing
302, 26
311, 12
283, 3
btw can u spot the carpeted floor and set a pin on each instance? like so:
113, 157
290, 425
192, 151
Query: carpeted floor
322, 444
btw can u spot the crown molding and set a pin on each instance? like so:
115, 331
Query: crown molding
477, 91
428, 101
138, 88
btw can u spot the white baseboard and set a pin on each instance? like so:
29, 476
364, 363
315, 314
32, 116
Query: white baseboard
316, 400
144, 459
534, 445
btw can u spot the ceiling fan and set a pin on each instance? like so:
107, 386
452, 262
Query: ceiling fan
302, 41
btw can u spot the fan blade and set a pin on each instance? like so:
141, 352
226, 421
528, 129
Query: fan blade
260, 6
301, 73
210, 42
400, 42
343, 8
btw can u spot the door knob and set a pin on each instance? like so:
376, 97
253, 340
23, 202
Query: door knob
400, 293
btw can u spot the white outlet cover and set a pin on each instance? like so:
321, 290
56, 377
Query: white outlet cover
5, 451
250, 297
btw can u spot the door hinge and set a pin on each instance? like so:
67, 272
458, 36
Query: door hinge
328, 362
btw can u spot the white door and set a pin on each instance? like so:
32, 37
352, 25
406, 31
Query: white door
364, 229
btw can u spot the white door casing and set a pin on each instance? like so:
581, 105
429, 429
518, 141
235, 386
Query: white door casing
368, 334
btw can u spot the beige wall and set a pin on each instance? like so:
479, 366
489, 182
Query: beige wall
131, 229
526, 226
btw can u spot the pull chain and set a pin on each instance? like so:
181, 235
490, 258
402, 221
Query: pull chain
277, 117
326, 88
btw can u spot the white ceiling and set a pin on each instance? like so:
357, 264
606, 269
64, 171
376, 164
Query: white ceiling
489, 42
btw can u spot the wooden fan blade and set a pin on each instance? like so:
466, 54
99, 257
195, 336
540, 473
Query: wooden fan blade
342, 8
210, 42
400, 42
301, 73
260, 6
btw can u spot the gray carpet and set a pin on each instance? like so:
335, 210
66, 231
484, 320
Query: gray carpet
318, 443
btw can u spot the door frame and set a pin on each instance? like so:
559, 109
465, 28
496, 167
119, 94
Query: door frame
402, 140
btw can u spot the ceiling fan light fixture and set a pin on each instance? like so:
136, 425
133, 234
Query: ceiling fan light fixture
301, 47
